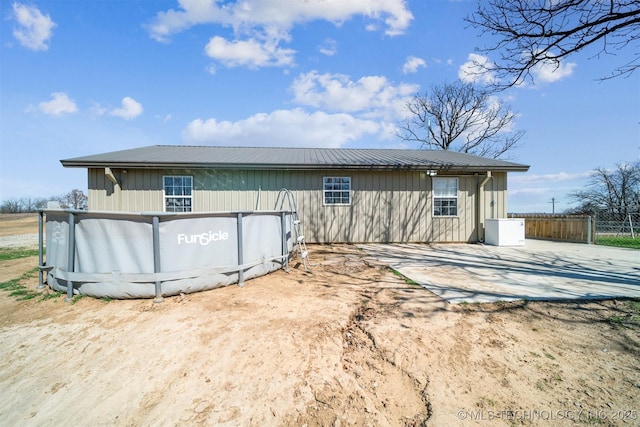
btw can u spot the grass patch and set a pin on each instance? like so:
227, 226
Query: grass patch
16, 253
634, 306
52, 295
21, 292
17, 289
619, 241
631, 314
403, 277
624, 319
10, 285
14, 284
76, 298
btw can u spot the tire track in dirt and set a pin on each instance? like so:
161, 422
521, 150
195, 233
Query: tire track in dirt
385, 384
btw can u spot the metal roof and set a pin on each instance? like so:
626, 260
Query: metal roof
183, 156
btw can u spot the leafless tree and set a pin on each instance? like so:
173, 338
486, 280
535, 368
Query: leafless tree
11, 206
75, 199
22, 205
533, 33
460, 117
616, 192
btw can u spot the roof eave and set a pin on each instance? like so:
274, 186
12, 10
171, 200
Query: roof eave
133, 165
254, 166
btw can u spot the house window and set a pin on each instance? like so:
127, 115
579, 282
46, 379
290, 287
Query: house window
445, 196
337, 190
177, 193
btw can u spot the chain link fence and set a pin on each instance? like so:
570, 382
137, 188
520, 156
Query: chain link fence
601, 228
617, 229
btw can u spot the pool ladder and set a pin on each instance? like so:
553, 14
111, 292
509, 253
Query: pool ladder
299, 243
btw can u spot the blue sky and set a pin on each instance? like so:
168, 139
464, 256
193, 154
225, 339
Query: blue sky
86, 77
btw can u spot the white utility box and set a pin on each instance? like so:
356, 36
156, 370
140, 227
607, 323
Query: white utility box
504, 231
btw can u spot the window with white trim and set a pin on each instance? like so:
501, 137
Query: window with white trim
445, 196
336, 190
177, 193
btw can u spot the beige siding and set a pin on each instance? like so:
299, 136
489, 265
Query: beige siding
386, 206
137, 190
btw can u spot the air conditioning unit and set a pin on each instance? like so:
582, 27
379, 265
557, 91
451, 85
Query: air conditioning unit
504, 231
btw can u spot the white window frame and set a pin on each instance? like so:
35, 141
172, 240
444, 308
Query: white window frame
442, 194
182, 196
334, 187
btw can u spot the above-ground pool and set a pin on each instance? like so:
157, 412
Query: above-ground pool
151, 255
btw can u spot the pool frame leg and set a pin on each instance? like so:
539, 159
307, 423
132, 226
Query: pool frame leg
240, 251
156, 258
71, 252
40, 250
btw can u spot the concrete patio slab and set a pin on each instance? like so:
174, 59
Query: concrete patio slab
539, 270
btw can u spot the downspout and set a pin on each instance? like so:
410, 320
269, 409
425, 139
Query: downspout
494, 200
481, 203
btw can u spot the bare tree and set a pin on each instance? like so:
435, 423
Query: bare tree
75, 199
533, 33
28, 204
616, 192
23, 205
41, 203
11, 206
460, 117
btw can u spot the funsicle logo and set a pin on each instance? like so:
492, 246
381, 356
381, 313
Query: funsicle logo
202, 239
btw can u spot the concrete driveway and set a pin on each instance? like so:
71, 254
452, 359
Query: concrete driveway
539, 270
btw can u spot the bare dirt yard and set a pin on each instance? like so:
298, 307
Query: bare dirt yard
352, 343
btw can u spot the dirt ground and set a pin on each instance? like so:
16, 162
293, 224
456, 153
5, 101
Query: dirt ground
16, 224
349, 344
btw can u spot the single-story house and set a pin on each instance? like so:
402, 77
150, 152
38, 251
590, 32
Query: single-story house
342, 195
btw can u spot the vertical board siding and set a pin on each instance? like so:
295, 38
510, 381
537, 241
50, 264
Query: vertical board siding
393, 206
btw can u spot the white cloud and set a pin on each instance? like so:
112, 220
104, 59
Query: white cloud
550, 71
34, 29
282, 14
551, 177
251, 53
329, 47
130, 109
166, 118
412, 64
293, 128
59, 104
353, 109
371, 96
477, 69
190, 13
260, 26
530, 191
536, 190
97, 109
